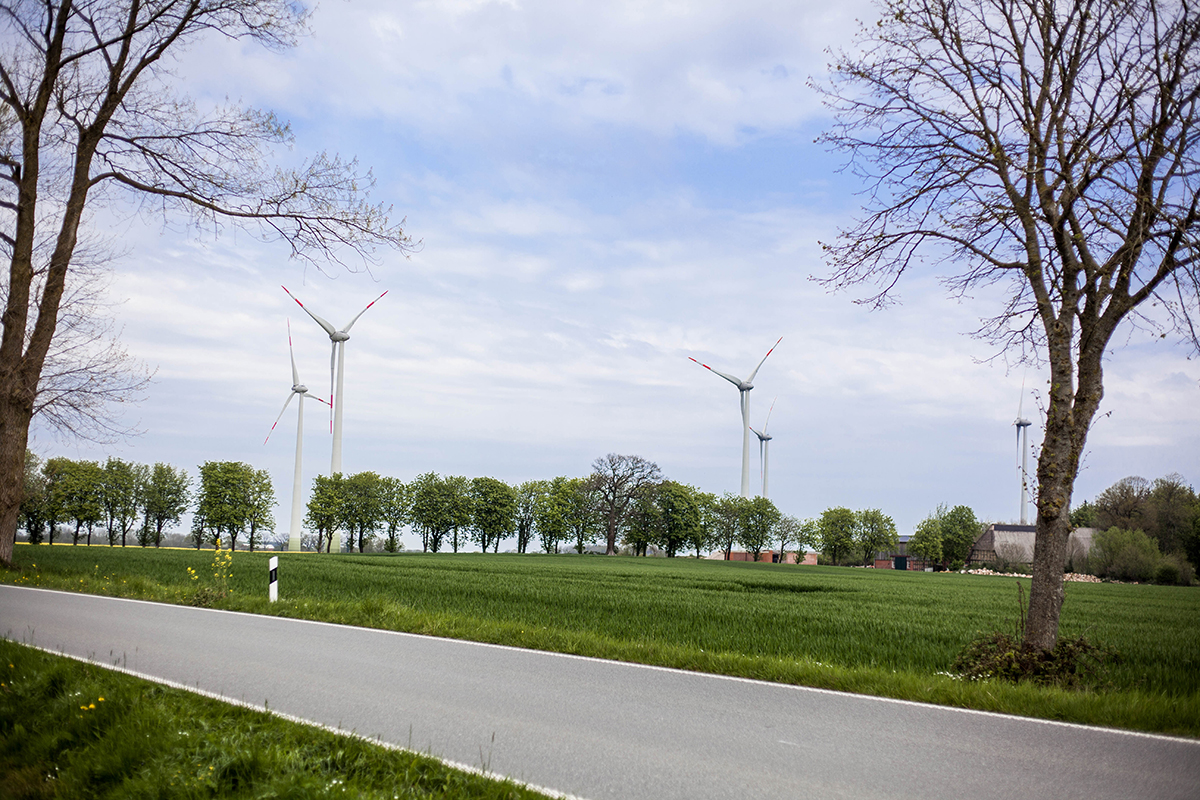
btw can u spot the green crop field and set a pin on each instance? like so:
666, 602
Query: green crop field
873, 631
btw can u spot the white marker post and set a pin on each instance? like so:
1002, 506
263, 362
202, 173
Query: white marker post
273, 588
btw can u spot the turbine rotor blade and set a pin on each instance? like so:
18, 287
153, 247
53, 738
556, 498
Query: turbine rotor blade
769, 410
329, 329
351, 325
764, 358
729, 378
276, 422
292, 353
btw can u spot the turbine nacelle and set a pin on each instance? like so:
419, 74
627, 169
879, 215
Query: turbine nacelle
339, 336
299, 388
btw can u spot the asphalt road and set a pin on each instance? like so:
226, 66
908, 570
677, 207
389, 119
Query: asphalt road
601, 729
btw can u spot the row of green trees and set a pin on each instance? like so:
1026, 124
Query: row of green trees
946, 536
624, 498
119, 499
367, 509
1167, 510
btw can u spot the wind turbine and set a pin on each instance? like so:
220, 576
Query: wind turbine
338, 356
744, 388
1023, 451
301, 391
764, 447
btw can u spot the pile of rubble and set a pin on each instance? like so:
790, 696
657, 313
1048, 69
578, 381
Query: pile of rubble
1070, 576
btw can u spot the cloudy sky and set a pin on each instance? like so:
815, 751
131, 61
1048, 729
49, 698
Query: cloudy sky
600, 192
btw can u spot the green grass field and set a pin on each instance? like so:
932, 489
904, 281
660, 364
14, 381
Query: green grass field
74, 730
871, 631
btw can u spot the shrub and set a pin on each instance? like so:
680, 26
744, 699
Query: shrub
1174, 570
1004, 656
1124, 555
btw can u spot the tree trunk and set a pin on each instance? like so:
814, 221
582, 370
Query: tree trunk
1068, 420
16, 410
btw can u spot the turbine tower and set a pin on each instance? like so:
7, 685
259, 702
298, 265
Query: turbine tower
744, 388
1023, 451
301, 391
764, 447
338, 357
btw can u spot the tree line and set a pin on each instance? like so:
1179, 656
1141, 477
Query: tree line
119, 499
624, 501
1165, 513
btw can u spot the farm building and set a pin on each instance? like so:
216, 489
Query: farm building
1014, 543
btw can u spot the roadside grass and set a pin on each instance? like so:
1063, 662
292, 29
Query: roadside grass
74, 730
879, 632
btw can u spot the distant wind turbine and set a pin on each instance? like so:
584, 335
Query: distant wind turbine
1023, 451
338, 357
301, 391
744, 388
764, 447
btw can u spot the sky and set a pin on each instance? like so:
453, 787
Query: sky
599, 192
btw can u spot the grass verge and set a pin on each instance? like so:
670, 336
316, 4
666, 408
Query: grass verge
69, 729
868, 631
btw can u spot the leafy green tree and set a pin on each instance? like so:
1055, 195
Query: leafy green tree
80, 491
394, 510
528, 494
835, 529
875, 532
260, 506
725, 521
33, 499
227, 499
756, 525
54, 470
1083, 516
122, 487
494, 512
702, 536
960, 531
644, 521
1123, 505
362, 508
457, 491
551, 513
800, 534
926, 541
583, 512
681, 518
432, 513
1171, 509
324, 511
166, 498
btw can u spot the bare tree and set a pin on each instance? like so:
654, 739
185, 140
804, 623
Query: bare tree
87, 115
1046, 146
618, 479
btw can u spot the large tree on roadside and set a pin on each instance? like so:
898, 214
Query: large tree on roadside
1049, 146
88, 114
618, 480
